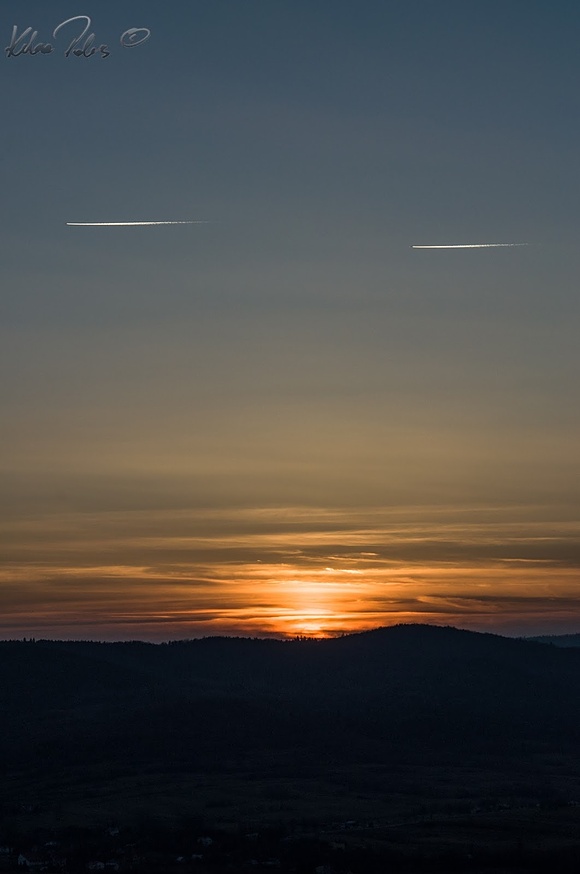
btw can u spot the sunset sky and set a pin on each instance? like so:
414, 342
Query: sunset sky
287, 420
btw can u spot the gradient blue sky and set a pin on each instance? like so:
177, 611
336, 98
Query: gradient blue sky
287, 420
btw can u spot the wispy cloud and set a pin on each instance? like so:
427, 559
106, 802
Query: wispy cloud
470, 246
289, 570
131, 224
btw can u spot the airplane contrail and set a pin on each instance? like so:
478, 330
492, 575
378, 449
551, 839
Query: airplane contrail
472, 246
129, 224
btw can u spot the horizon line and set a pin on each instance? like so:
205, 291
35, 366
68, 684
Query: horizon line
284, 638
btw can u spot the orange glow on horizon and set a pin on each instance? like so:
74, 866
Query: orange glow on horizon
287, 573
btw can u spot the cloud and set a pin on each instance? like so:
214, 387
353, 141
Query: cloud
130, 224
155, 574
471, 246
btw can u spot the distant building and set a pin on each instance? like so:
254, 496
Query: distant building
32, 861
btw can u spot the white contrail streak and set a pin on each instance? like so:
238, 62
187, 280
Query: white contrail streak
473, 246
128, 224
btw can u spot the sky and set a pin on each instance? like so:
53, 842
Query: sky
285, 420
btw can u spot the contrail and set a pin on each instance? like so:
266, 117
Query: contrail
128, 224
472, 246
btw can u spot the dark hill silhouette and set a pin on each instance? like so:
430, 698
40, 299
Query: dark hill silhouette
564, 640
416, 689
